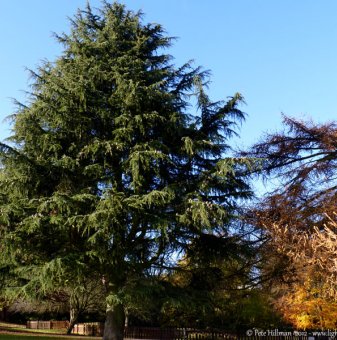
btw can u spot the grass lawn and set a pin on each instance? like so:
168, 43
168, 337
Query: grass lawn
29, 337
42, 337
10, 331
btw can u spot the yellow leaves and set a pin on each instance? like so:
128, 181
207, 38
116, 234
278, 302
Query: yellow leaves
315, 249
303, 321
309, 301
305, 307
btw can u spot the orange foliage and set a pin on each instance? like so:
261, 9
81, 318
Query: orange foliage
305, 308
308, 297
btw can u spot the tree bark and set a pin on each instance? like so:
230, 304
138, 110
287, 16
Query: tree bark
114, 323
73, 320
3, 314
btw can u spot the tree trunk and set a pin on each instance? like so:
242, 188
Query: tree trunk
126, 323
73, 320
3, 314
114, 323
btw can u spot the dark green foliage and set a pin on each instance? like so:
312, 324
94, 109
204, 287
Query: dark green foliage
108, 173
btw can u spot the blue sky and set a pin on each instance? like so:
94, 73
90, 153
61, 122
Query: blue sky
280, 54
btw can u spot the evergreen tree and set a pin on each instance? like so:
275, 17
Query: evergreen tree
107, 173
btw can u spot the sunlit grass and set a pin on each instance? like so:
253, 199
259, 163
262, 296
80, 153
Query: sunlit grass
28, 337
30, 334
41, 337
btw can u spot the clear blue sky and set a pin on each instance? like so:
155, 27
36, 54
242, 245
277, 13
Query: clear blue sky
280, 54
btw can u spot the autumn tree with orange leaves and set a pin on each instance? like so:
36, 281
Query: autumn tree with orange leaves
299, 222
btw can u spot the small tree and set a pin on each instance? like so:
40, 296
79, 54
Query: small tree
106, 171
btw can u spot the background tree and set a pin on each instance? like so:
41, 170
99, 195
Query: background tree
106, 171
220, 292
298, 220
307, 294
302, 159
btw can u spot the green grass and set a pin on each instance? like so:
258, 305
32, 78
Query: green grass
30, 337
4, 326
40, 337
14, 331
44, 331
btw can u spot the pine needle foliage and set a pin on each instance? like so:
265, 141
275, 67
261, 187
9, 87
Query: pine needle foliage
109, 171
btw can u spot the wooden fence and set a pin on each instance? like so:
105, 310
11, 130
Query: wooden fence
89, 328
197, 334
47, 324
151, 333
156, 333
97, 329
